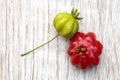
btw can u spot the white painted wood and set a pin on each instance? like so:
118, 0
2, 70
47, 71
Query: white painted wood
25, 24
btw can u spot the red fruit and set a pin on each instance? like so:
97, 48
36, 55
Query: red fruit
94, 61
84, 50
84, 62
75, 59
76, 39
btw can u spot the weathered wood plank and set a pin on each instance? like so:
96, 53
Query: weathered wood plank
25, 24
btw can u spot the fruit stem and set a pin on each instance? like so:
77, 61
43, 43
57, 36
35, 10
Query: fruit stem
39, 46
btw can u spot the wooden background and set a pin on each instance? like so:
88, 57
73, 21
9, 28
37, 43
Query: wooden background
25, 24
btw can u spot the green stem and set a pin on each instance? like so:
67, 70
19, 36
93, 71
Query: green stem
72, 11
75, 11
39, 46
76, 14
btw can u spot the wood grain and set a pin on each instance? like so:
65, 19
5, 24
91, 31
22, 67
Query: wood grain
25, 24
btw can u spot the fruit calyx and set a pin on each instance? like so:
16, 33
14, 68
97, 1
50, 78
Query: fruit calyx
76, 14
81, 50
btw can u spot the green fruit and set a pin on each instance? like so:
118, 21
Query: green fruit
66, 24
